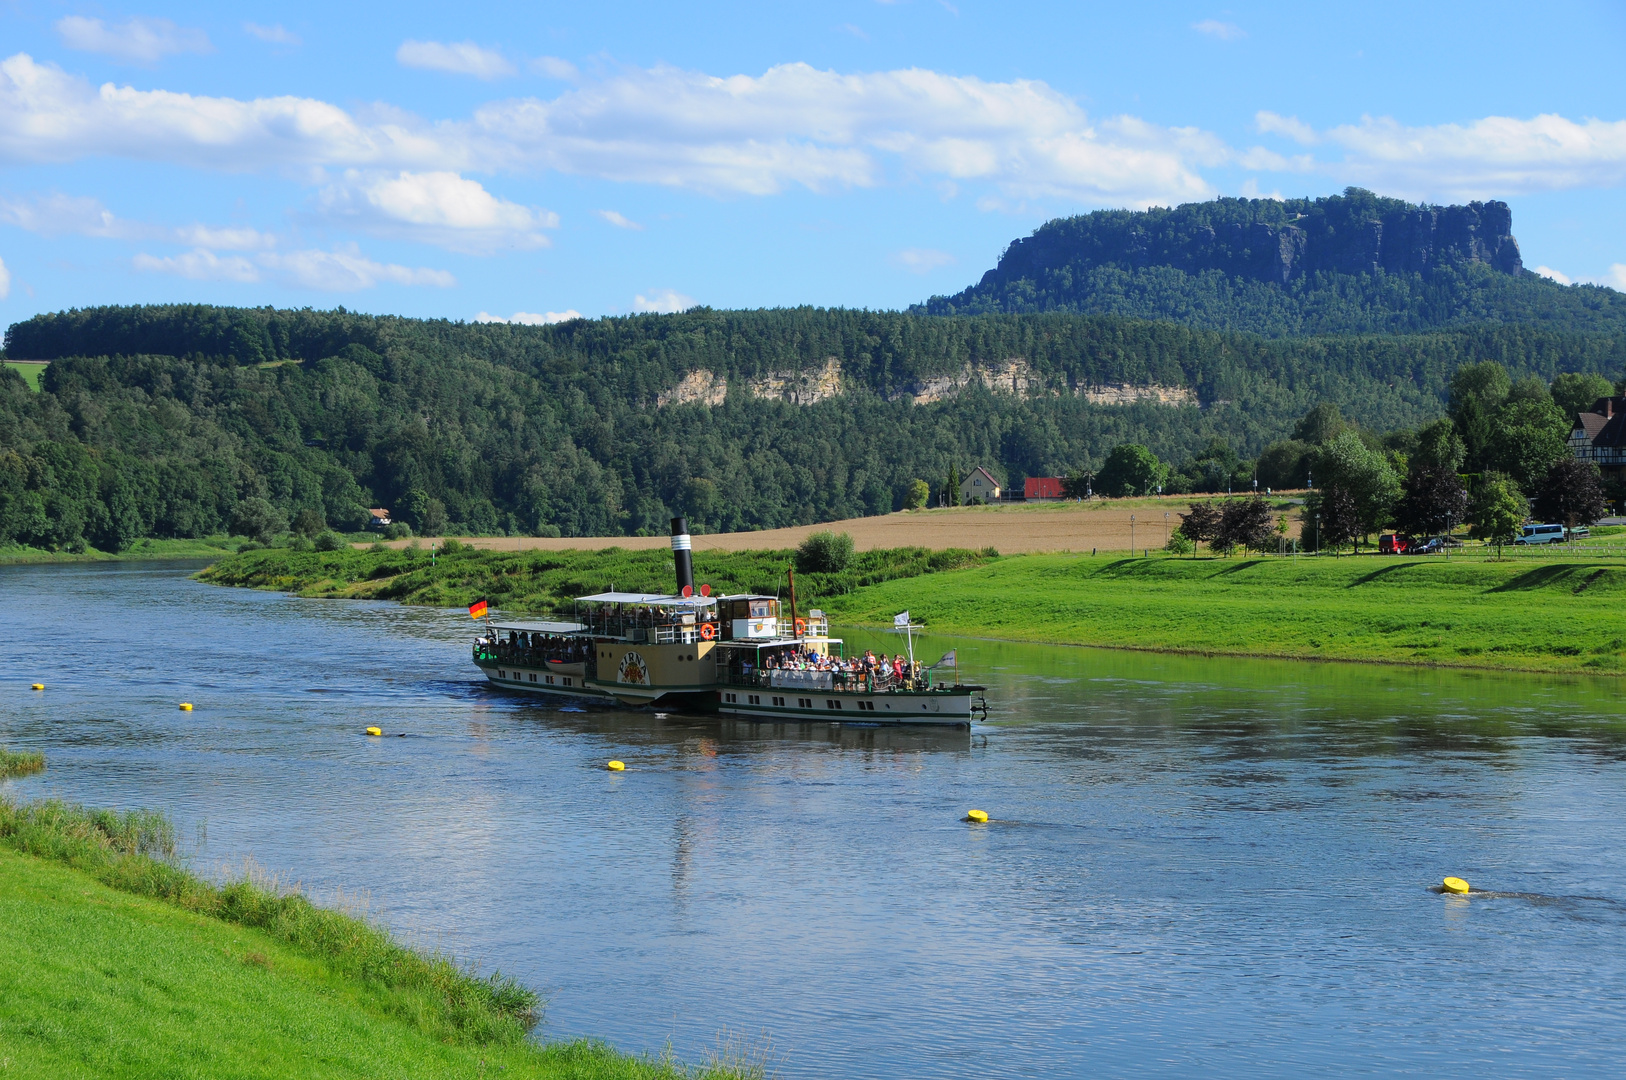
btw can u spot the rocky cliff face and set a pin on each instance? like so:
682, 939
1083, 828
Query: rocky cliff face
1267, 240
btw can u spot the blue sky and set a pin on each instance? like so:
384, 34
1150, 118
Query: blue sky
543, 159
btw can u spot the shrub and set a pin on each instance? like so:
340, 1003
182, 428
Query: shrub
308, 522
451, 547
257, 519
329, 541
397, 530
1179, 544
919, 495
824, 553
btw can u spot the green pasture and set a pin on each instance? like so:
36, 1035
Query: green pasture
30, 372
1560, 614
206, 547
119, 965
529, 582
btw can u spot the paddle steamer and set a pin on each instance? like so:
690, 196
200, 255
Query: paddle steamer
741, 655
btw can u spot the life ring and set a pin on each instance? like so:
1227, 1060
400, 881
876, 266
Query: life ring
707, 631
801, 627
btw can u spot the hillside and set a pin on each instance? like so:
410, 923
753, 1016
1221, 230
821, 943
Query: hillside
1351, 263
163, 421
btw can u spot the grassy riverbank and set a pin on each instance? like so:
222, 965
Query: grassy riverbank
1557, 615
119, 964
537, 581
209, 547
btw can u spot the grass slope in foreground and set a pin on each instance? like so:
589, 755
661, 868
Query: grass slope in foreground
120, 965
1556, 616
538, 581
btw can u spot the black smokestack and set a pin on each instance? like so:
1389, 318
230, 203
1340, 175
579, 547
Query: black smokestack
681, 558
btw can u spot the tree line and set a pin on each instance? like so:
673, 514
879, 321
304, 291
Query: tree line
186, 421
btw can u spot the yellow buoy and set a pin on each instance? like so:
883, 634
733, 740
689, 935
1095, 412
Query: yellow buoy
186, 706
1455, 885
374, 731
616, 766
977, 815
39, 686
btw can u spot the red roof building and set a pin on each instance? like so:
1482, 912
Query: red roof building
1042, 487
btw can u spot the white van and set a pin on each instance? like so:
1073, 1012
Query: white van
1542, 534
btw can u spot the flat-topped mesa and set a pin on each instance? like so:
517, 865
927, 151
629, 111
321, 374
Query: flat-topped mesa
1270, 240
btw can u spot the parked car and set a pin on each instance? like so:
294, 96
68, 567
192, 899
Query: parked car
1390, 544
1541, 534
1426, 547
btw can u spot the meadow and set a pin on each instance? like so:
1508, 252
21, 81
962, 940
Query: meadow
533, 582
121, 964
207, 547
1558, 614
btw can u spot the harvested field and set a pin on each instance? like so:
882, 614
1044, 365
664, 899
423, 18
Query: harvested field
1011, 529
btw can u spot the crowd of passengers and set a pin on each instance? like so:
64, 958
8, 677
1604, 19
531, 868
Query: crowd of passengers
898, 669
520, 647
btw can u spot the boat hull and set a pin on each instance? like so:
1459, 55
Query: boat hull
549, 682
932, 708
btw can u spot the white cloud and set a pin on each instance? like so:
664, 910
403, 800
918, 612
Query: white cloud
441, 208
794, 125
1269, 123
1616, 278
140, 40
663, 301
555, 68
1491, 157
346, 269
1223, 30
5, 280
923, 260
57, 214
531, 318
458, 58
272, 35
200, 265
1549, 272
618, 220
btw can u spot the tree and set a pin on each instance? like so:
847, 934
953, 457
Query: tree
308, 522
1131, 469
1571, 493
1363, 474
824, 553
1574, 392
258, 519
1285, 464
1439, 446
951, 490
1244, 523
1477, 391
1528, 434
919, 495
1180, 544
1497, 511
1321, 425
1433, 500
1338, 514
1077, 485
1202, 523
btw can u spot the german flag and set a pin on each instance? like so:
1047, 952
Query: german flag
477, 610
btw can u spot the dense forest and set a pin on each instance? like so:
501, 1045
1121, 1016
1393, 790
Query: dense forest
169, 421
1352, 263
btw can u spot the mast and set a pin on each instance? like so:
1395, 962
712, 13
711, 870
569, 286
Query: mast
790, 572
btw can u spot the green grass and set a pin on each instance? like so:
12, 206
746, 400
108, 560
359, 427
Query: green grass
20, 762
119, 964
29, 372
1558, 615
539, 581
208, 547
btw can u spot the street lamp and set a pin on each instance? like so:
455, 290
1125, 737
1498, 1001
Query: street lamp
1131, 534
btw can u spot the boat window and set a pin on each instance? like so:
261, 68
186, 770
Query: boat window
759, 609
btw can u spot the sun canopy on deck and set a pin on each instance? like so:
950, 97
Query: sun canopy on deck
541, 627
652, 599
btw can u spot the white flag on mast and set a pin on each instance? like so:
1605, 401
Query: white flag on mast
900, 621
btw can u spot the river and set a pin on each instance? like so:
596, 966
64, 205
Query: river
1209, 866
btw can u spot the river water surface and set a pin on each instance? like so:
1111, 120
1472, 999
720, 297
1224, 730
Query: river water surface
1207, 866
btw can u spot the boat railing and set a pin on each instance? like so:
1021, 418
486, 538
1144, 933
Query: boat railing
682, 634
812, 626
817, 681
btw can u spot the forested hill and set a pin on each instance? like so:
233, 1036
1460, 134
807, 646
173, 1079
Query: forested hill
1351, 263
165, 420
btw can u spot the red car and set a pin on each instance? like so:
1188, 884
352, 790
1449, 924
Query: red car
1390, 544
